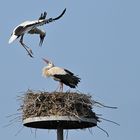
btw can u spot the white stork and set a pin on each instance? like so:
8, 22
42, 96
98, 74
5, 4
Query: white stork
30, 27
64, 76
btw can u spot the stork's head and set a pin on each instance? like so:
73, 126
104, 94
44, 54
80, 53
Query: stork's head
49, 63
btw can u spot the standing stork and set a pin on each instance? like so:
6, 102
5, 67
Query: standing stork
30, 27
64, 76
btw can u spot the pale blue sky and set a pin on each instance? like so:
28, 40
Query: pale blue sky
97, 40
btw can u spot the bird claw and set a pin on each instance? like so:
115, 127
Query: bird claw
30, 53
42, 36
41, 42
43, 15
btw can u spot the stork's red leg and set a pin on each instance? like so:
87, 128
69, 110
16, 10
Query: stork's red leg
61, 87
58, 87
30, 53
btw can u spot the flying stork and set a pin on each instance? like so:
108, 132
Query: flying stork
30, 27
64, 76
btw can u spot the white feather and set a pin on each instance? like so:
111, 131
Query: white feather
12, 38
51, 71
57, 71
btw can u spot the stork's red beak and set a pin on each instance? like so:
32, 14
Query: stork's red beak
47, 61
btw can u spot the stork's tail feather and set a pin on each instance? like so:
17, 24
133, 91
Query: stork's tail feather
72, 81
69, 80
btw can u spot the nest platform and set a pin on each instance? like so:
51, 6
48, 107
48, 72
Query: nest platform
54, 122
70, 110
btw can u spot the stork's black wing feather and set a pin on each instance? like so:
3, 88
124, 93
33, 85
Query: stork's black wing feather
19, 30
67, 79
69, 72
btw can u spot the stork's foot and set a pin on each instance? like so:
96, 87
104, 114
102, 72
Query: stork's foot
61, 87
29, 51
57, 89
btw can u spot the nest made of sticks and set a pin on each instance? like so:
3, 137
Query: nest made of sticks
40, 104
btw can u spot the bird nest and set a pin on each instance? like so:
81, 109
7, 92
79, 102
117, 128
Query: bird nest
41, 104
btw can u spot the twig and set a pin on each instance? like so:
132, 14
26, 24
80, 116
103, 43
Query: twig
103, 130
109, 121
105, 105
19, 131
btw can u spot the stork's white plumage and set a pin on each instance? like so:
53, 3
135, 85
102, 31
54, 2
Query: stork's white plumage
30, 27
64, 76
